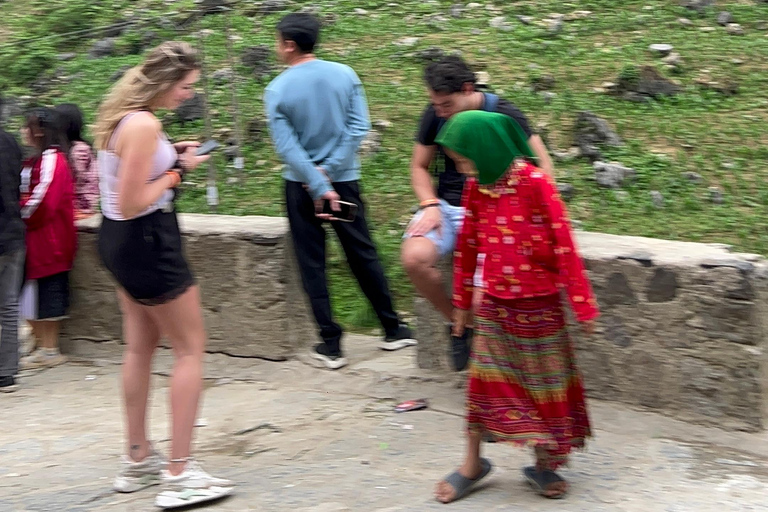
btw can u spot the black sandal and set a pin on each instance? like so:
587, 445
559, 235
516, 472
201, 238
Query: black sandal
460, 348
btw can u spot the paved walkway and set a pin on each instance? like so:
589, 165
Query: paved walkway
300, 439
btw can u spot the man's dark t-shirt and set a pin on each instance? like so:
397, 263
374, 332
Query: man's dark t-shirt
450, 182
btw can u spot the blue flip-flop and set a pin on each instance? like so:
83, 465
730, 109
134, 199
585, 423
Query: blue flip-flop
463, 485
539, 480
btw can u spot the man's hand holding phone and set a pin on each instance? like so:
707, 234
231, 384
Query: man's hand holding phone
331, 197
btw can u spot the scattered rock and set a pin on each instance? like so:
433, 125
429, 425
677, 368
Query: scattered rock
591, 131
526, 20
406, 41
637, 84
577, 15
554, 25
273, 6
436, 21
329, 19
567, 156
501, 23
716, 195
257, 59
566, 191
371, 144
762, 25
117, 75
544, 82
724, 18
734, 29
213, 6
661, 49
657, 199
222, 76
698, 5
11, 107
102, 48
548, 96
673, 59
457, 10
430, 54
693, 177
254, 130
382, 125
66, 56
149, 39
613, 174
482, 78
621, 195
361, 12
191, 110
726, 87
707, 29
117, 29
685, 22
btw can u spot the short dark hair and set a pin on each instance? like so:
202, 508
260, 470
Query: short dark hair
302, 28
449, 74
49, 122
71, 121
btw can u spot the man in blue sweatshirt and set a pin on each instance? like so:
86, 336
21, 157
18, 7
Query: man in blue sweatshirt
318, 115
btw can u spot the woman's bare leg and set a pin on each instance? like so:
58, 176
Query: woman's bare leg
141, 337
181, 320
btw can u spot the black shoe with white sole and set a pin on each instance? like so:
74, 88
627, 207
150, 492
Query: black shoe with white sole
401, 338
330, 361
8, 384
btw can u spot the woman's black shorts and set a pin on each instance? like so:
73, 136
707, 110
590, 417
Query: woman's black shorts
146, 257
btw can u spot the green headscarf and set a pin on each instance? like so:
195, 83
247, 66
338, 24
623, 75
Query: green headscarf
491, 140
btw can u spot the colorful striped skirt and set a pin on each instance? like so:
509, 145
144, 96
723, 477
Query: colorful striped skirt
524, 386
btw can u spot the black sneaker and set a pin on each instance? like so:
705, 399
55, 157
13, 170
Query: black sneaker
460, 348
401, 338
330, 361
8, 385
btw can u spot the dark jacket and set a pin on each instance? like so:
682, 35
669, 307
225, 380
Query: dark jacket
11, 225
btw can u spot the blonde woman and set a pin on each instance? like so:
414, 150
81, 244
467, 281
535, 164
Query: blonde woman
141, 246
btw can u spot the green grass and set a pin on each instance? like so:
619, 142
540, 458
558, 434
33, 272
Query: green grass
728, 135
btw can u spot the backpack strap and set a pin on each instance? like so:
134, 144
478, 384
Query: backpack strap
491, 102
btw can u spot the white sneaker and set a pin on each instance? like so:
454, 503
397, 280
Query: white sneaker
135, 476
42, 358
191, 486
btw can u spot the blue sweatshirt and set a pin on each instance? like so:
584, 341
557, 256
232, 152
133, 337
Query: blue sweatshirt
318, 115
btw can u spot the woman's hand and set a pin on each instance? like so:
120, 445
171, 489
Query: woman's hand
189, 160
183, 145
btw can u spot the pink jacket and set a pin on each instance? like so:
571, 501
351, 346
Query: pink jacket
85, 175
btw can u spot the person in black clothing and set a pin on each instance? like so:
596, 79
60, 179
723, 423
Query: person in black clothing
432, 233
11, 259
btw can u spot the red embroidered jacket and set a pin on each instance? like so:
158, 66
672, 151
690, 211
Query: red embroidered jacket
521, 226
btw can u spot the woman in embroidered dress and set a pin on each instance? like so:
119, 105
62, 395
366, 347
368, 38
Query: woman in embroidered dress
524, 386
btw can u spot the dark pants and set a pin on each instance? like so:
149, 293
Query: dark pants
11, 275
308, 234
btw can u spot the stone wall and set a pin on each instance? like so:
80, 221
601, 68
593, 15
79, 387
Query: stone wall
251, 292
684, 330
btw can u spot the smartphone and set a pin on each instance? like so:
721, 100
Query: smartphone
206, 148
347, 213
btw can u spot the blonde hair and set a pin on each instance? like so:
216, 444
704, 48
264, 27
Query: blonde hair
142, 86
